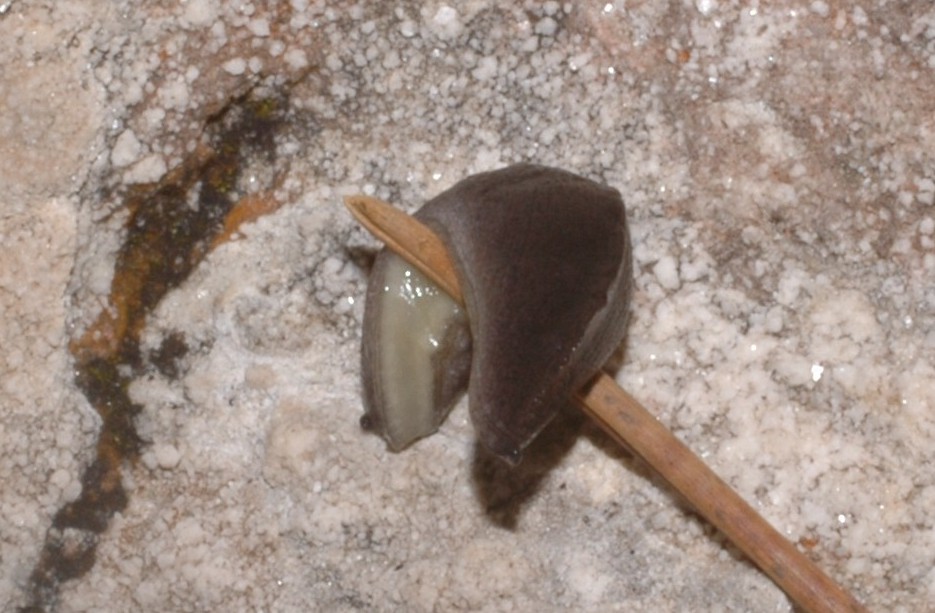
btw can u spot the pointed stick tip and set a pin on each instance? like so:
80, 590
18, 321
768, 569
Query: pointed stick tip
408, 238
357, 205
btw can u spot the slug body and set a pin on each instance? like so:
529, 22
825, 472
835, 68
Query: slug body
416, 352
543, 259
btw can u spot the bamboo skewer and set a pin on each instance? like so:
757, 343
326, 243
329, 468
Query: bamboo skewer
628, 422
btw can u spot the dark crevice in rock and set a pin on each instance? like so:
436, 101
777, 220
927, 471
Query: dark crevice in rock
172, 225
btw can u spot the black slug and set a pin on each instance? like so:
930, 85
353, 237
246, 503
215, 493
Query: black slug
543, 259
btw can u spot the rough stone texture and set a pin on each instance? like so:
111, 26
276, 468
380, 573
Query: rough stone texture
777, 163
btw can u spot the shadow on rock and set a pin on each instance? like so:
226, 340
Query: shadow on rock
503, 490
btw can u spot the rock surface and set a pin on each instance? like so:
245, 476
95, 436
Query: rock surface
777, 166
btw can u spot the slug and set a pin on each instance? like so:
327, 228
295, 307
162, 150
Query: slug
543, 258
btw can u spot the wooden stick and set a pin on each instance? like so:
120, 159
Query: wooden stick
627, 421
